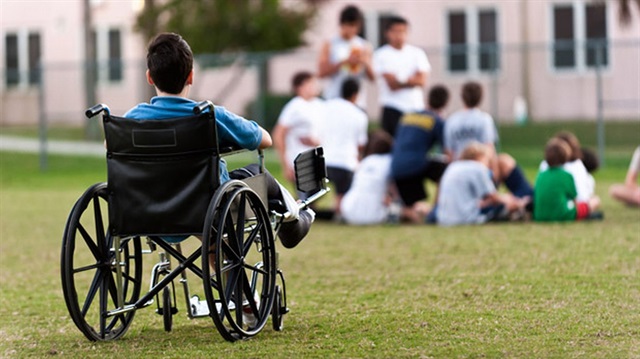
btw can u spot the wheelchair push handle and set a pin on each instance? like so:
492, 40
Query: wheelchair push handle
96, 110
202, 106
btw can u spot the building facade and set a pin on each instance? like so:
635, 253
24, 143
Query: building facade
561, 56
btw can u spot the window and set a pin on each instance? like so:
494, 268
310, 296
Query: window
115, 56
580, 35
373, 28
458, 42
596, 34
473, 40
11, 60
108, 49
22, 58
488, 39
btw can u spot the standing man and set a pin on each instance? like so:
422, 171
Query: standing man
297, 127
403, 71
345, 55
343, 136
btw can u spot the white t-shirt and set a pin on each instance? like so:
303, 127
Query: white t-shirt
343, 129
364, 203
584, 181
340, 50
403, 64
466, 126
302, 118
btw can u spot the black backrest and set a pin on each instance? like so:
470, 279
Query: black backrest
161, 174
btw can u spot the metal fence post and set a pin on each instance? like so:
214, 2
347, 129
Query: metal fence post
600, 102
42, 120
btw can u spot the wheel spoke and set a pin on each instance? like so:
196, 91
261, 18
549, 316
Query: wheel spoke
89, 241
238, 292
97, 211
104, 291
251, 238
86, 268
228, 251
232, 236
255, 269
248, 293
240, 221
93, 289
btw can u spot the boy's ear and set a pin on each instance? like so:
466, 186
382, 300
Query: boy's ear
190, 78
149, 79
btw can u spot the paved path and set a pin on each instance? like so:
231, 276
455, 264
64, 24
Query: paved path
76, 148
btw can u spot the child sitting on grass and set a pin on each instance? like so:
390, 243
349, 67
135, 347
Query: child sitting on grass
468, 195
555, 195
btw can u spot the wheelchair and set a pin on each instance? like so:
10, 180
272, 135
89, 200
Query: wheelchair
163, 185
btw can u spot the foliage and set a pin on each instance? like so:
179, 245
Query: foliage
215, 26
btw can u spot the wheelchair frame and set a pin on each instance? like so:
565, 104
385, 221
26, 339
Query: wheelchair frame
239, 262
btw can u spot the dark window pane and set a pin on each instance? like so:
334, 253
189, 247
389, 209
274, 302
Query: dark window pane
11, 60
115, 56
489, 51
457, 42
596, 34
564, 54
383, 21
34, 58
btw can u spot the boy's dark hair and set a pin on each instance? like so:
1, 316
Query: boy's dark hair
590, 159
350, 87
395, 20
170, 61
438, 97
471, 94
351, 14
556, 152
573, 142
380, 142
299, 79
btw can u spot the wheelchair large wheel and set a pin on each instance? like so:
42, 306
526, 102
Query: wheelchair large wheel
89, 267
238, 261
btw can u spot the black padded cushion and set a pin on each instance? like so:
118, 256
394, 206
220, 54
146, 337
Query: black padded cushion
161, 174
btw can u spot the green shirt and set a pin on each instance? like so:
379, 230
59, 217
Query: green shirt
554, 195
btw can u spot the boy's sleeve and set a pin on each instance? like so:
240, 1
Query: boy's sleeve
236, 130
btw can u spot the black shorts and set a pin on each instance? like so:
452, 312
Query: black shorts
412, 189
340, 178
390, 119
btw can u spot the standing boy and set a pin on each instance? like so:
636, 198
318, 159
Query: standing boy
402, 71
343, 136
297, 127
345, 55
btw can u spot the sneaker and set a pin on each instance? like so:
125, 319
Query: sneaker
291, 233
248, 318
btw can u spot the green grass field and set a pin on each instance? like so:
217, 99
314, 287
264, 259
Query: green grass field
521, 290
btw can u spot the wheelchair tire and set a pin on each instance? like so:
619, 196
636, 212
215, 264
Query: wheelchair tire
167, 314
277, 313
88, 266
238, 261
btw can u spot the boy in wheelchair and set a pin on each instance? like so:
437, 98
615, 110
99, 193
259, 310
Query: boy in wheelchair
170, 71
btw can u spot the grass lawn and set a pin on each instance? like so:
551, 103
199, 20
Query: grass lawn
522, 290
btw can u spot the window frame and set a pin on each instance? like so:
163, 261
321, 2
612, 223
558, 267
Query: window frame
26, 74
580, 41
473, 44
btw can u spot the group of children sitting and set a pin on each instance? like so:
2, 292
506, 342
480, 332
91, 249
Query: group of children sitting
388, 184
